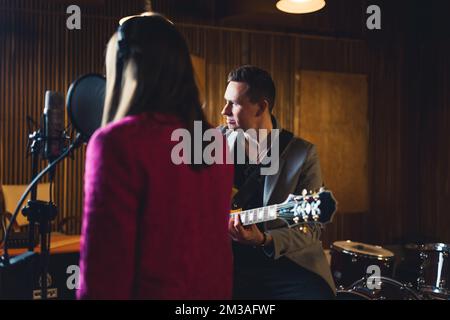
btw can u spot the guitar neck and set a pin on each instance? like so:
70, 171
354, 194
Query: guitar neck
258, 215
317, 208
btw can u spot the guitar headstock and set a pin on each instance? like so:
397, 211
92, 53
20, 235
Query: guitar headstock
308, 208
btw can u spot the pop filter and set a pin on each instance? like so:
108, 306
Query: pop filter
85, 100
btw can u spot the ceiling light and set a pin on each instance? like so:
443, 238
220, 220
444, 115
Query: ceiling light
300, 6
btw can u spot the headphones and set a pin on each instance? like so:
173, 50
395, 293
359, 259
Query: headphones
123, 51
122, 46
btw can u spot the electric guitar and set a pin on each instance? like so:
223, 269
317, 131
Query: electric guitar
313, 208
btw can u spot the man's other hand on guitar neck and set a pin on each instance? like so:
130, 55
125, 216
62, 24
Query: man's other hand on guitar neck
249, 235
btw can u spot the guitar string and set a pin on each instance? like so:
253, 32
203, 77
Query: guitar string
279, 207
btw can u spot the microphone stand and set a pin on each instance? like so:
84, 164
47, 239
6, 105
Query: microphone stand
35, 150
40, 212
29, 211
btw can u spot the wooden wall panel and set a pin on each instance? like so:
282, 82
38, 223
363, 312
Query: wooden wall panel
332, 114
434, 144
200, 76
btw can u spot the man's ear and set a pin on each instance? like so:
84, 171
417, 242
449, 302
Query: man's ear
263, 106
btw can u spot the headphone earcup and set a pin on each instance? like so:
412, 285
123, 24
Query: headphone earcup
122, 45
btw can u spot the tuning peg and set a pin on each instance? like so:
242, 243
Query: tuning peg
304, 192
303, 229
290, 198
316, 196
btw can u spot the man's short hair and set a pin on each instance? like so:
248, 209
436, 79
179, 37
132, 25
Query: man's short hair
259, 81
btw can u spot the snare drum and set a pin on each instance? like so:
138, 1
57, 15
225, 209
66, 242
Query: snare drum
350, 261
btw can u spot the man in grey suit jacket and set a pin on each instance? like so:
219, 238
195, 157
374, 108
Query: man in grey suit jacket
273, 261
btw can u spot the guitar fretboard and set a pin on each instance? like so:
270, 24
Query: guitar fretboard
258, 215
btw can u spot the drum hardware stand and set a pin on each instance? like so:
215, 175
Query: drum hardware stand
421, 280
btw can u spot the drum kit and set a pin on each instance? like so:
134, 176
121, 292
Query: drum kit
369, 272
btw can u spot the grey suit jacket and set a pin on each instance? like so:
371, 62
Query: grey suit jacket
299, 168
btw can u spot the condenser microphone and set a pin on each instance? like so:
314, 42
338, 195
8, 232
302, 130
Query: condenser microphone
53, 122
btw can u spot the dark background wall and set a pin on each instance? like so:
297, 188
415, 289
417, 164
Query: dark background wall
406, 63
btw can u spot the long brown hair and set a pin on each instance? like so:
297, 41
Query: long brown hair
149, 69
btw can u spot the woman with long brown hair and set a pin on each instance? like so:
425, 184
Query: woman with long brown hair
151, 228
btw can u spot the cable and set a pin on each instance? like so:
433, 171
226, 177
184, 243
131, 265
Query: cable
51, 178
